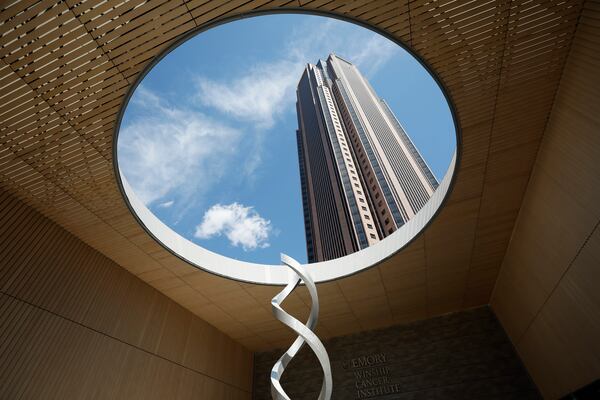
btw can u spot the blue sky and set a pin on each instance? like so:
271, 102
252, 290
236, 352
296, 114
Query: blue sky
208, 138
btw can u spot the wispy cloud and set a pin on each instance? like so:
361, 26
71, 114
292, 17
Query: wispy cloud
242, 226
372, 54
368, 50
166, 204
256, 97
175, 150
168, 148
266, 90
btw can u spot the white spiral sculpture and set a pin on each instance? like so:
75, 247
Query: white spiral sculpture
304, 331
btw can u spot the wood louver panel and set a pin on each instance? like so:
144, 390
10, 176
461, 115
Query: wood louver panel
74, 323
65, 68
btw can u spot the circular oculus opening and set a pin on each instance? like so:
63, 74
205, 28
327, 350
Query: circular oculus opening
200, 114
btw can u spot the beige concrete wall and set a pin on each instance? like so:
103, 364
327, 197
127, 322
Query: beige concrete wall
548, 292
73, 324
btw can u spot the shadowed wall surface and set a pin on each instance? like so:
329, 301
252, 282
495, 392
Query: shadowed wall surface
547, 295
464, 355
73, 324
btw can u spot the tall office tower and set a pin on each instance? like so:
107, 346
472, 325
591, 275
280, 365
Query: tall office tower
362, 177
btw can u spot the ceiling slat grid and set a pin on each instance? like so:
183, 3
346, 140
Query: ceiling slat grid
66, 67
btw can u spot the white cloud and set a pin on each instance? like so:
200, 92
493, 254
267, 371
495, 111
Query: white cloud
169, 148
258, 97
373, 54
264, 91
242, 225
177, 151
366, 49
166, 204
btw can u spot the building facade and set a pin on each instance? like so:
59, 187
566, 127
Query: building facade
362, 177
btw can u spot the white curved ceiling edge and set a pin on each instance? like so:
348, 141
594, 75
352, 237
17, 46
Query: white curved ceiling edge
275, 274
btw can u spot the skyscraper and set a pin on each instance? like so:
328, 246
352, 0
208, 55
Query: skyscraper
362, 177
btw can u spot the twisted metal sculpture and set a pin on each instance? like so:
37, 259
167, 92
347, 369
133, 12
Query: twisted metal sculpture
304, 331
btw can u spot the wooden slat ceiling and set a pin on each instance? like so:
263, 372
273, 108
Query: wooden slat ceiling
64, 71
